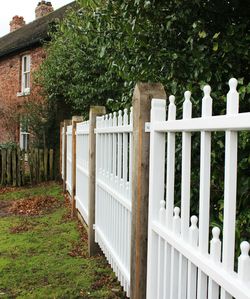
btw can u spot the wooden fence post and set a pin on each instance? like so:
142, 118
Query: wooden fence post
143, 94
94, 112
75, 120
66, 123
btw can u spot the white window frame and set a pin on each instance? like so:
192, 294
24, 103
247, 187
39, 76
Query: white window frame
24, 140
25, 79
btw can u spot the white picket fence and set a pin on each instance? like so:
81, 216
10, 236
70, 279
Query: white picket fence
181, 264
69, 160
113, 191
82, 168
62, 153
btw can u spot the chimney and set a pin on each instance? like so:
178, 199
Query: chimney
43, 8
16, 23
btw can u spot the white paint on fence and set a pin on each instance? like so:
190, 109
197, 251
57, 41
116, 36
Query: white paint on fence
82, 168
69, 159
113, 191
62, 152
178, 253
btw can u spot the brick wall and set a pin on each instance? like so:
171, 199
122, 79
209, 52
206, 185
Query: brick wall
10, 85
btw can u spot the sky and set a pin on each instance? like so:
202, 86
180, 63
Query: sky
25, 8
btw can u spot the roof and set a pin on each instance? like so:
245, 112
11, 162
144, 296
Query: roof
31, 34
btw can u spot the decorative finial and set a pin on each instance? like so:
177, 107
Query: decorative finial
177, 212
216, 233
233, 83
194, 220
172, 99
244, 247
187, 95
207, 90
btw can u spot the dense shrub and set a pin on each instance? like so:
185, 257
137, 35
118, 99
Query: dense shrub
103, 48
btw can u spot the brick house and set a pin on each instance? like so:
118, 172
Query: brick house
21, 53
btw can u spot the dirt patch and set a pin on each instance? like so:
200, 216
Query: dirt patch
4, 190
34, 206
21, 228
4, 208
78, 249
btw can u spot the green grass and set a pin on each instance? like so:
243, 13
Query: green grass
36, 263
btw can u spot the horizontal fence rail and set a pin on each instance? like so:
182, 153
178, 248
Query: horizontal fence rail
113, 191
82, 168
182, 263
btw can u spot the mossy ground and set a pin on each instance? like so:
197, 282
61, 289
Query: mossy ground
36, 262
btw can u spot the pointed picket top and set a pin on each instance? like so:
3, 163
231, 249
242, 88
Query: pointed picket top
102, 123
233, 97
207, 102
187, 105
110, 120
114, 119
216, 233
162, 212
125, 117
158, 110
177, 220
193, 231
119, 118
244, 262
171, 108
131, 116
215, 245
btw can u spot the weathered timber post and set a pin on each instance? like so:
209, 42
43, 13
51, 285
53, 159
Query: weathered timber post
93, 113
75, 120
66, 123
143, 94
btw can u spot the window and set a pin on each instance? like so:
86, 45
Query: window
25, 87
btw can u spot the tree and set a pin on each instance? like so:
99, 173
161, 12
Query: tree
103, 48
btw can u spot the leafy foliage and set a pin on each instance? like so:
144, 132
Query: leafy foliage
103, 48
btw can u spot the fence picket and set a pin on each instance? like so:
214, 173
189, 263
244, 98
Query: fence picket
215, 254
230, 181
185, 194
204, 204
192, 269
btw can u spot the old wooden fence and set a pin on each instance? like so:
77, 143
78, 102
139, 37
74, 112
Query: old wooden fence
19, 167
119, 170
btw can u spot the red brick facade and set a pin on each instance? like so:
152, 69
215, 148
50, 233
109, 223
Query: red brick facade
10, 86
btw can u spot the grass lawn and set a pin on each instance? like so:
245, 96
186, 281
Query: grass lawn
45, 256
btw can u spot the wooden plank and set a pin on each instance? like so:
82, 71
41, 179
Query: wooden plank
14, 167
9, 166
30, 161
4, 167
45, 159
23, 161
41, 165
51, 164
94, 112
18, 167
143, 94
